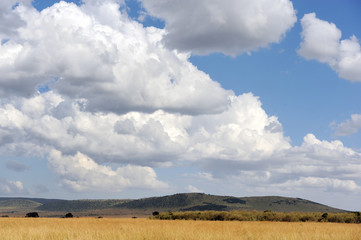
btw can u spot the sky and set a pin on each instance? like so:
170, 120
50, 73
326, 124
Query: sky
138, 98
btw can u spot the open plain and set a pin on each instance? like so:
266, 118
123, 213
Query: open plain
122, 228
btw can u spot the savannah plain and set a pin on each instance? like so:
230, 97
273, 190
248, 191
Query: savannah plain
143, 228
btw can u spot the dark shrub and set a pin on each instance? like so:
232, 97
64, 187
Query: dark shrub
69, 215
32, 214
218, 217
156, 213
324, 217
357, 217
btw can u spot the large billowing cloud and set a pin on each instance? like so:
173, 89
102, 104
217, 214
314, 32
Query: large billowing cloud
81, 173
242, 141
230, 27
243, 132
119, 67
321, 41
106, 103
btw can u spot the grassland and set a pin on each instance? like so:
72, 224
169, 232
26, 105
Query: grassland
111, 228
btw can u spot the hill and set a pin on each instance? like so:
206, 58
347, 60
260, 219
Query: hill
176, 202
201, 202
18, 203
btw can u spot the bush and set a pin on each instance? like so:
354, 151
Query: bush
32, 214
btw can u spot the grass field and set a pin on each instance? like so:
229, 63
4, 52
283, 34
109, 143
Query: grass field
111, 228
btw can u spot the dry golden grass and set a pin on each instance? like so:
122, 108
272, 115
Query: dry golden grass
110, 228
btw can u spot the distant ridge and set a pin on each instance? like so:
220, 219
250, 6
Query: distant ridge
202, 202
176, 202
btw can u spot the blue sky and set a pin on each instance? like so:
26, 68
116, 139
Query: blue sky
305, 95
113, 99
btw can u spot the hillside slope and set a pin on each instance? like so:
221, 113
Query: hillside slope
201, 202
18, 203
79, 205
176, 202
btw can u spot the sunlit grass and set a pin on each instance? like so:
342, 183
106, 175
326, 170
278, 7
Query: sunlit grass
110, 228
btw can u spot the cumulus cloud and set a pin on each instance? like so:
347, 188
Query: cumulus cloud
103, 100
314, 148
348, 127
321, 42
327, 184
317, 164
81, 173
112, 63
9, 20
16, 166
230, 27
319, 158
241, 133
11, 187
238, 143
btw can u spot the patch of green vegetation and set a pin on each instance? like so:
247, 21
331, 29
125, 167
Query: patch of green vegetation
346, 217
284, 204
205, 207
18, 204
176, 201
234, 200
79, 205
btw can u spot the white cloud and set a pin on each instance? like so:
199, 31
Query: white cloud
348, 127
242, 143
99, 55
242, 133
326, 184
9, 20
191, 188
81, 173
321, 41
324, 150
231, 27
316, 158
11, 187
332, 166
120, 98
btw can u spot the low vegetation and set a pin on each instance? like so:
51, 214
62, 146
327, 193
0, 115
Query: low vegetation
79, 205
347, 217
117, 228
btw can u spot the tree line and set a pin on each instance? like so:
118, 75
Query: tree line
346, 217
